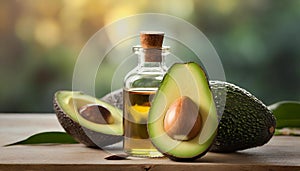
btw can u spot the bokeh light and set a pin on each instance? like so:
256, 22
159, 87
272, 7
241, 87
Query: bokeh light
257, 41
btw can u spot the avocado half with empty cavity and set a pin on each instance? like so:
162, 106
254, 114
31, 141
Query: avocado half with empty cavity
88, 120
183, 121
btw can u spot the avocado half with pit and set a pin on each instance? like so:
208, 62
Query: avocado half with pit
76, 113
183, 121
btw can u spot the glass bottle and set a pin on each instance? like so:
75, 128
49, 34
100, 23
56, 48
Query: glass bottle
140, 86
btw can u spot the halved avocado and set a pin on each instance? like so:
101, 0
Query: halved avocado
67, 105
183, 81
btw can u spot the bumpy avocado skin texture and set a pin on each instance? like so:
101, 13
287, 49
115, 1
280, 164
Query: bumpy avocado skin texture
79, 132
246, 122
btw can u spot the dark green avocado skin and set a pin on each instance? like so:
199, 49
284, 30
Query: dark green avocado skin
177, 159
81, 134
245, 122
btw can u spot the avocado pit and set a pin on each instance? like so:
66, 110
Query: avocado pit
183, 120
96, 113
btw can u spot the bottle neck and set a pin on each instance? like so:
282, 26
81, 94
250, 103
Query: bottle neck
151, 58
150, 64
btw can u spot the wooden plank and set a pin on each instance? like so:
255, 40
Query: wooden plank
281, 153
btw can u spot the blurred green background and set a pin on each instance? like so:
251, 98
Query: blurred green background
258, 42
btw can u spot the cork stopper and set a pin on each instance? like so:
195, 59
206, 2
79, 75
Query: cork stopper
151, 39
152, 42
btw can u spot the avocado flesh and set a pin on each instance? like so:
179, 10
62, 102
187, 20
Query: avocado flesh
183, 80
66, 106
245, 121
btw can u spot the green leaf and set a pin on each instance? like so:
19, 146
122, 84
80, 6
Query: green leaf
287, 114
47, 138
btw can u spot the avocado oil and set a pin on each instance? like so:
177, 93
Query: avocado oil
140, 86
136, 108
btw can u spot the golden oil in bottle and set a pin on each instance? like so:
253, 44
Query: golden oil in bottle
136, 107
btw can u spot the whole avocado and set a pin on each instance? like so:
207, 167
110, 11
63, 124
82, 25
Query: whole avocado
245, 122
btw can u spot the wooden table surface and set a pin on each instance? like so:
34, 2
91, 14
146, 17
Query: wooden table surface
281, 153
